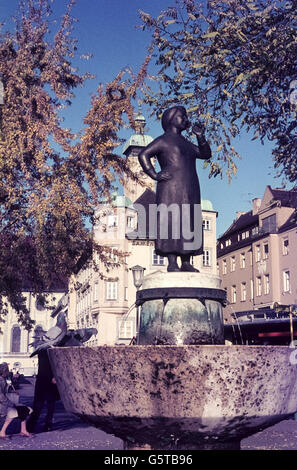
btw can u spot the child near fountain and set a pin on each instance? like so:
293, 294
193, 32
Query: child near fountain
9, 410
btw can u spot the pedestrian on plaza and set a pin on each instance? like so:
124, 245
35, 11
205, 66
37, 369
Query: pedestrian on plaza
8, 409
46, 391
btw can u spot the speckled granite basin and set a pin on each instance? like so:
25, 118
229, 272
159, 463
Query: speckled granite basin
177, 396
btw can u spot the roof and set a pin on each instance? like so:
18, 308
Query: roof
288, 198
243, 221
137, 140
121, 201
289, 224
147, 197
206, 205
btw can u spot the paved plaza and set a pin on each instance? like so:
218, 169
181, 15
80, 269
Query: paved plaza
70, 433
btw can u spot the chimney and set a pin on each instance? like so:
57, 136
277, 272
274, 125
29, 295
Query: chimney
256, 205
239, 214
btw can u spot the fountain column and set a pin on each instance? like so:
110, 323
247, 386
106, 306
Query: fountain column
181, 308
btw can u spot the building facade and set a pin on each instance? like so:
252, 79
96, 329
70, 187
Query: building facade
15, 340
256, 255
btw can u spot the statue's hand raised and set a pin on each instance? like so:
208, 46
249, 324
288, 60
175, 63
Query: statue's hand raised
198, 129
163, 176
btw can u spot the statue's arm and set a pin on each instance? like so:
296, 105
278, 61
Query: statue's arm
145, 157
203, 149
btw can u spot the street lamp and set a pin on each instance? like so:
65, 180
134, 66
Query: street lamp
138, 273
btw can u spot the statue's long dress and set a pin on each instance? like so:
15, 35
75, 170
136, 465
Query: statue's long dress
181, 195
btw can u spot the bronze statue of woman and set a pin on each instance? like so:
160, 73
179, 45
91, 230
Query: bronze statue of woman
178, 188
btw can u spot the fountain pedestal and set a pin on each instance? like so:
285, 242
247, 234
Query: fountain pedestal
181, 308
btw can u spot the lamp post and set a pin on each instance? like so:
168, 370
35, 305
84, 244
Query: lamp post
138, 273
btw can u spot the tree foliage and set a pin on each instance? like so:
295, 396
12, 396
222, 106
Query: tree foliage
232, 63
51, 178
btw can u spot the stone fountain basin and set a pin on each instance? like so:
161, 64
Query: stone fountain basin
188, 394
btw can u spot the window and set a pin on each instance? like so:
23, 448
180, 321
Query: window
130, 221
113, 256
242, 260
233, 294
286, 281
259, 286
228, 242
266, 284
243, 291
224, 266
158, 260
245, 235
15, 339
255, 231
285, 246
112, 220
265, 250
258, 253
111, 290
232, 263
206, 258
96, 291
126, 293
125, 329
206, 224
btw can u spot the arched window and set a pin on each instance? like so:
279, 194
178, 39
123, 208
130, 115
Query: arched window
16, 339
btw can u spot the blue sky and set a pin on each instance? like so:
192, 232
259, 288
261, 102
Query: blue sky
107, 29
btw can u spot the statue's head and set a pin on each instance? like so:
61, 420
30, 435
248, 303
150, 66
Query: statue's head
169, 115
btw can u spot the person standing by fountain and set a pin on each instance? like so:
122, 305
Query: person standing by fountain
45, 391
179, 222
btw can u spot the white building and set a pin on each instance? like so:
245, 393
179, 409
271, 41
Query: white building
15, 340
